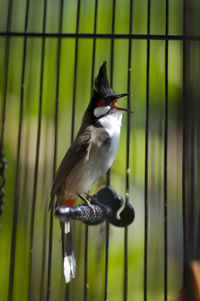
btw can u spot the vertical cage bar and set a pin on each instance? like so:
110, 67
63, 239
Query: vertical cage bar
146, 157
55, 144
191, 178
85, 264
184, 146
75, 70
127, 184
18, 169
2, 153
107, 229
86, 226
49, 255
37, 151
111, 66
94, 42
43, 259
67, 292
112, 43
45, 196
106, 261
166, 158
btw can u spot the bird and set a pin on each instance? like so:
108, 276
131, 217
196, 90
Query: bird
88, 158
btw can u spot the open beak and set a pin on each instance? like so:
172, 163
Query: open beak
114, 105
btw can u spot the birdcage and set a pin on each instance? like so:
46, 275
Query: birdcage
50, 53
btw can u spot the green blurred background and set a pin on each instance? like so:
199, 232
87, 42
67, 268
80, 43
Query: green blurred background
96, 244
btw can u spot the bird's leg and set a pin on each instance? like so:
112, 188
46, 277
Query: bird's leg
97, 202
94, 199
86, 201
96, 211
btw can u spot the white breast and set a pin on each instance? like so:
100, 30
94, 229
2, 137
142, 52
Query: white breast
112, 124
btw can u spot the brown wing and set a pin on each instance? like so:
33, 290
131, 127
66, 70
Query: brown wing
77, 151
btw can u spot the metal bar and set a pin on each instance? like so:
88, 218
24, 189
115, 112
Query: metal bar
111, 68
125, 292
17, 179
75, 71
191, 173
166, 159
55, 145
107, 228
6, 62
184, 125
127, 180
85, 263
49, 255
94, 41
43, 261
192, 109
2, 154
37, 152
112, 43
67, 291
45, 197
102, 35
86, 226
44, 231
146, 157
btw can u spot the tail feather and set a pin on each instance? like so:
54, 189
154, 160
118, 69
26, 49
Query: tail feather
69, 263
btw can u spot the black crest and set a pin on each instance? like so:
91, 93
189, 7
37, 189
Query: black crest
101, 84
102, 87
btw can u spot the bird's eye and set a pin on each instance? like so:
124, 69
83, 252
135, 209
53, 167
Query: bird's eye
101, 103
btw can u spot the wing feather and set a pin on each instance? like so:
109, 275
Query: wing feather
77, 151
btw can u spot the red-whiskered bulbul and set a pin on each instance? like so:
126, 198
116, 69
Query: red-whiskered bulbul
89, 157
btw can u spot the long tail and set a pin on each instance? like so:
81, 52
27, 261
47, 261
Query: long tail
69, 263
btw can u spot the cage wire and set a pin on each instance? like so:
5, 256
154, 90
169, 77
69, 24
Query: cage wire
50, 53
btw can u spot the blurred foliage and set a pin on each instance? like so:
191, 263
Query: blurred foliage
31, 90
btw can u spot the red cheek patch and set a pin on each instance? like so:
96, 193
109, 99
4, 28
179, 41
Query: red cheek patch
101, 103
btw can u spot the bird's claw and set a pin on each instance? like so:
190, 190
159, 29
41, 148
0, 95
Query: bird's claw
86, 200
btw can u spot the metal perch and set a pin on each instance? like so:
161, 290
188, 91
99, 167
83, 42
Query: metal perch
105, 205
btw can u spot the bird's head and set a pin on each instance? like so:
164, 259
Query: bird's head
104, 99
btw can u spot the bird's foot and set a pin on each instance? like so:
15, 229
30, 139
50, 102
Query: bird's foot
91, 197
92, 207
86, 201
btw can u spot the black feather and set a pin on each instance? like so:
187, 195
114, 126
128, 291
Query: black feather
102, 88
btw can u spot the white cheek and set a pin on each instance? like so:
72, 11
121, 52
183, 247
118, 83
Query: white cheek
100, 111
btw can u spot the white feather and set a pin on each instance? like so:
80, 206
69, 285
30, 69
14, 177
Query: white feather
112, 123
69, 263
67, 227
100, 111
69, 266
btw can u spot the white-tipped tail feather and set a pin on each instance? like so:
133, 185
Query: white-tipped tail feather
69, 263
69, 266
